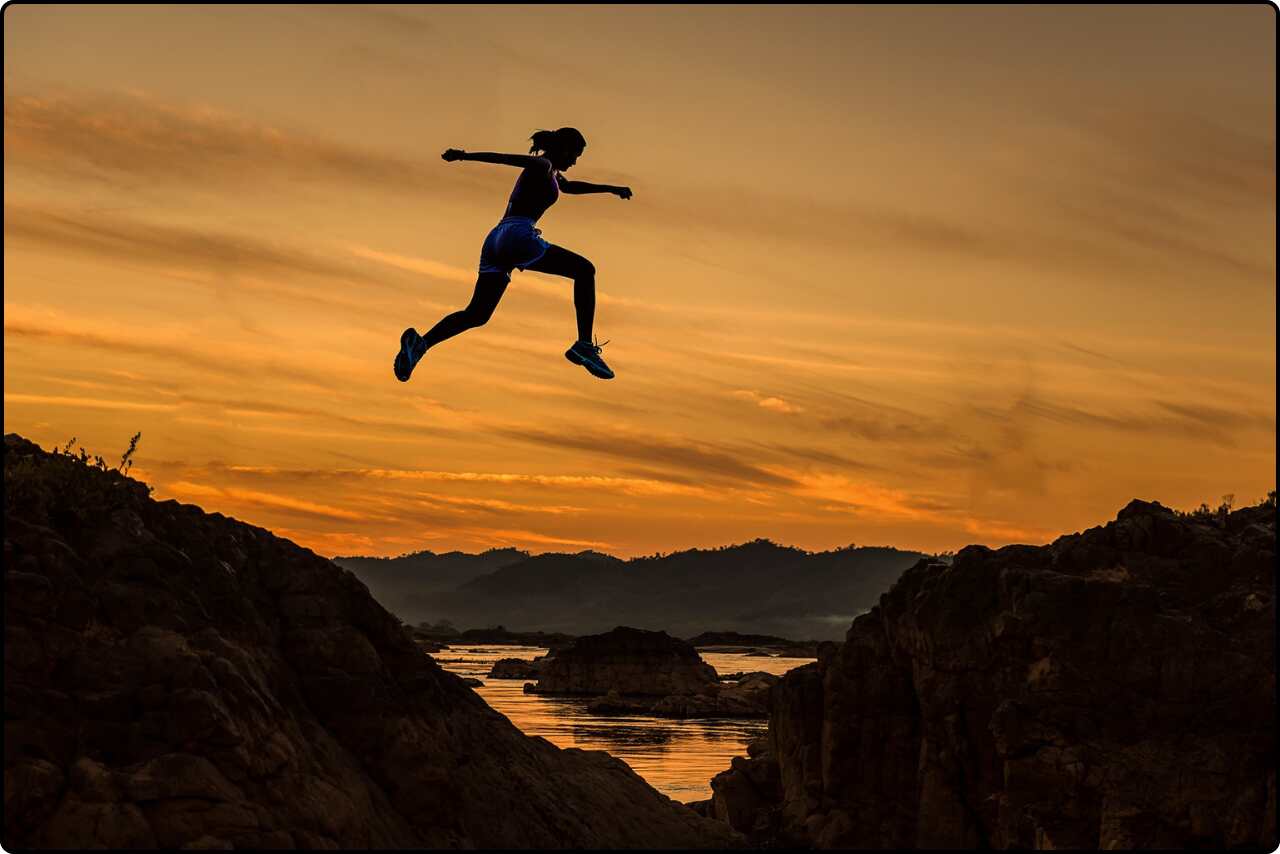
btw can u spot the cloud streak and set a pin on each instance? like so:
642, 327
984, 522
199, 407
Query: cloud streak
711, 462
81, 134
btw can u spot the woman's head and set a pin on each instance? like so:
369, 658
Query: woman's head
562, 147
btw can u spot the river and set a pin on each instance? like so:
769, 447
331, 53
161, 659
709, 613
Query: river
676, 757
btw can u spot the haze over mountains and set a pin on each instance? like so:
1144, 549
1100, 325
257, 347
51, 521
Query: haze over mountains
756, 587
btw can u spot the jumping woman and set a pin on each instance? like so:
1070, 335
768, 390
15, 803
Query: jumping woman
515, 243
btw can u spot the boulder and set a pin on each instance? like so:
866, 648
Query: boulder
514, 668
614, 703
630, 662
749, 700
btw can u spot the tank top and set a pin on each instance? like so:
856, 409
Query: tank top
536, 191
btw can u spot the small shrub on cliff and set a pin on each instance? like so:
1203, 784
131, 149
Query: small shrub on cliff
57, 489
1205, 513
1218, 515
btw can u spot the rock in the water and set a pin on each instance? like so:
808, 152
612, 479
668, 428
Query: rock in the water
629, 661
1115, 689
743, 643
749, 699
614, 703
176, 679
514, 668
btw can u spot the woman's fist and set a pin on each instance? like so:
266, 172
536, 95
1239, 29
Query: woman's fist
624, 192
453, 154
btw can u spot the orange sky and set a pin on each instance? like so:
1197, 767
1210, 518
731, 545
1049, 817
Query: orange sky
891, 275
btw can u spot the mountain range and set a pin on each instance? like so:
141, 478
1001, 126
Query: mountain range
755, 587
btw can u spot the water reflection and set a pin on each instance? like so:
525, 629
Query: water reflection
624, 737
676, 757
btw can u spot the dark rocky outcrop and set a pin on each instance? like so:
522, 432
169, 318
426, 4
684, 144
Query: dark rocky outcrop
503, 636
763, 644
515, 668
630, 662
632, 671
175, 678
749, 698
1115, 689
425, 642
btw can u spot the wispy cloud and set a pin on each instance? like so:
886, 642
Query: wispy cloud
769, 402
252, 498
218, 254
414, 265
818, 455
82, 334
1159, 183
1176, 424
496, 506
712, 462
88, 402
83, 134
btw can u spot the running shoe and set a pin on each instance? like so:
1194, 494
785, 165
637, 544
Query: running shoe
588, 355
411, 350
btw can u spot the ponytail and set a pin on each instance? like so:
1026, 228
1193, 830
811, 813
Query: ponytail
543, 140
562, 139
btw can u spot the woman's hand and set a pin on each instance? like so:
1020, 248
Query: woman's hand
453, 154
623, 192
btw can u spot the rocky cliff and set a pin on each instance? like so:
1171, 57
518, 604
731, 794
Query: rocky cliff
175, 678
1115, 689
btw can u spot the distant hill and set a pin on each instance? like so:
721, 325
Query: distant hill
396, 581
758, 587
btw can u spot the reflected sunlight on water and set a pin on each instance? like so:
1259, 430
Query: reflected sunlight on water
676, 757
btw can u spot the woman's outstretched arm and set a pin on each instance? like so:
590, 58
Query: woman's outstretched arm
524, 161
579, 188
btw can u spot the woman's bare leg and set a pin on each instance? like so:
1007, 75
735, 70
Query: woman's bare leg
489, 290
559, 261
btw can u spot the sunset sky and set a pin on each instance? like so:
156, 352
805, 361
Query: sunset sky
909, 276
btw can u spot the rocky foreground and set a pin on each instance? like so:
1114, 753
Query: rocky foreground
1115, 689
175, 678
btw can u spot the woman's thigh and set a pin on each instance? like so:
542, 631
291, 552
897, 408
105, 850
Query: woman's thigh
489, 290
559, 261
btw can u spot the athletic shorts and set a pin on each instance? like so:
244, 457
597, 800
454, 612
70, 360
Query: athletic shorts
513, 243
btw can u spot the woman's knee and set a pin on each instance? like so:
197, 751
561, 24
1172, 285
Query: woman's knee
477, 315
586, 270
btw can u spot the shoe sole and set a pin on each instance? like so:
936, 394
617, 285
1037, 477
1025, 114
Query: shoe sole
403, 365
590, 366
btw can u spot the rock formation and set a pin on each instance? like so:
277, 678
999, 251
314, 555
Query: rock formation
515, 668
747, 699
1115, 689
630, 662
175, 678
764, 644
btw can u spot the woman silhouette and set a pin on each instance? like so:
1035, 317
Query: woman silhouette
515, 243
